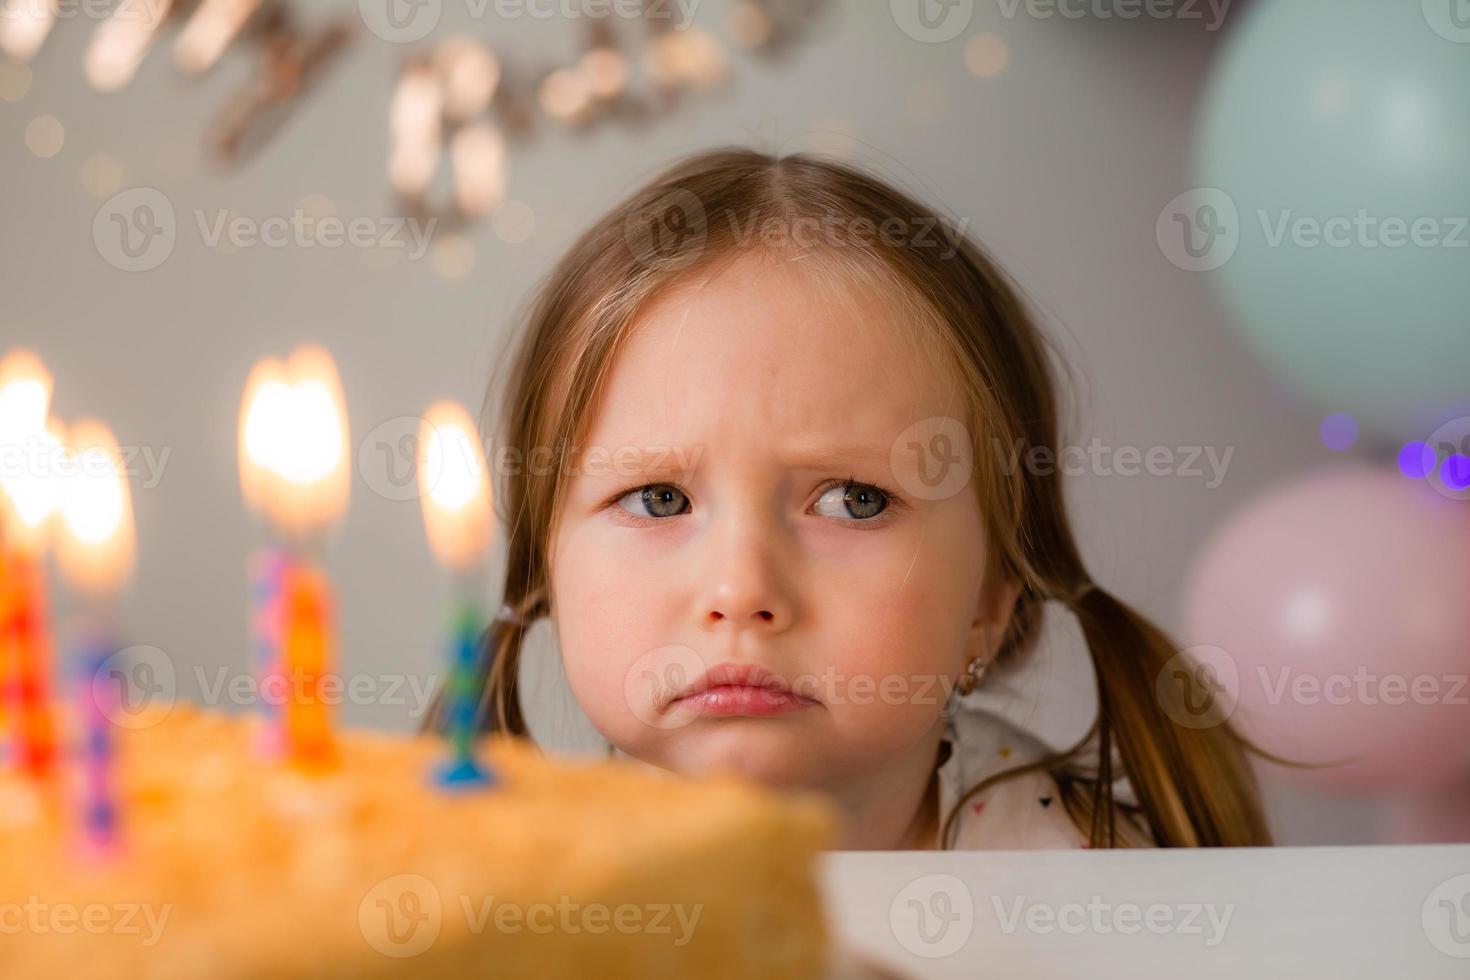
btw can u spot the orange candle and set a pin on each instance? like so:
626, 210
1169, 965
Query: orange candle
29, 453
308, 639
28, 657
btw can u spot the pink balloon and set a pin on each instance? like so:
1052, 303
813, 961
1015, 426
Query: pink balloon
1340, 605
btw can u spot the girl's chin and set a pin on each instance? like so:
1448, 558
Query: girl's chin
782, 758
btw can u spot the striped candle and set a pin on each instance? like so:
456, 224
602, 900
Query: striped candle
99, 700
461, 696
266, 624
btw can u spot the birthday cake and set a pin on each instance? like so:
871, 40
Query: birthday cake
231, 865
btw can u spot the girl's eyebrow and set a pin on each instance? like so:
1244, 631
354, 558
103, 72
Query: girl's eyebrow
682, 460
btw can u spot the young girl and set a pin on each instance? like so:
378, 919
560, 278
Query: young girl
749, 474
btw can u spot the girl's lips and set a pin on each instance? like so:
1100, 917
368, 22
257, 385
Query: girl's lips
727, 700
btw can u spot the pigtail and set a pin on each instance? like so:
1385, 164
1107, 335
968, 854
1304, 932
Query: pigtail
1188, 778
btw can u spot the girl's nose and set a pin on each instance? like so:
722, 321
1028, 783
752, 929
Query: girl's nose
745, 579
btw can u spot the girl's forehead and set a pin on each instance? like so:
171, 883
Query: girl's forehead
765, 348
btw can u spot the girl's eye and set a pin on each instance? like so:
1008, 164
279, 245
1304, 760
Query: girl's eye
843, 500
659, 499
853, 501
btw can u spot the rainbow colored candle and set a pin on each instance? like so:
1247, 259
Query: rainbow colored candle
98, 702
95, 551
293, 446
267, 570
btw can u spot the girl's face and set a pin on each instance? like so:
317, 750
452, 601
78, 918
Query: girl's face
800, 516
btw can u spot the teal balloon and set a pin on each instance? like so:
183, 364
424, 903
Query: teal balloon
1339, 131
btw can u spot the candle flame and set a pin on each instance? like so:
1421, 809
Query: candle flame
96, 541
258, 423
454, 484
293, 442
27, 488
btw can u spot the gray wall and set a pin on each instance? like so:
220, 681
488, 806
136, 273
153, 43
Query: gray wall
1061, 165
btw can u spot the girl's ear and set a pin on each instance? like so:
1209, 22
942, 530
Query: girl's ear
993, 612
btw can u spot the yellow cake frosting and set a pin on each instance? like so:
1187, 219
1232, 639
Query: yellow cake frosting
234, 866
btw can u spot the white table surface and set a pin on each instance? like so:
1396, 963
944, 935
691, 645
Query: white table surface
1334, 912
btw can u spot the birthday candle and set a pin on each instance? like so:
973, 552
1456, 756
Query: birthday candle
95, 551
308, 623
28, 689
266, 621
454, 488
27, 500
98, 701
266, 397
293, 468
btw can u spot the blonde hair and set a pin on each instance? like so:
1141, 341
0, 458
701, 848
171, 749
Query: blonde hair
1193, 785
